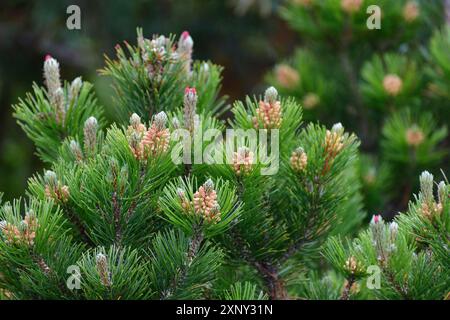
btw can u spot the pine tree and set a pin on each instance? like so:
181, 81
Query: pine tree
115, 213
159, 205
388, 83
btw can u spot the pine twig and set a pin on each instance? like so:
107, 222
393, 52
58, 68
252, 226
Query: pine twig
42, 264
348, 286
117, 216
194, 247
139, 189
75, 220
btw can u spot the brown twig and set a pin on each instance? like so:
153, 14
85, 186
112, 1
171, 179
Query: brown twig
348, 286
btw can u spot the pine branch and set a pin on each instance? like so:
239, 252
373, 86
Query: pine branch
195, 243
75, 220
398, 288
117, 218
138, 191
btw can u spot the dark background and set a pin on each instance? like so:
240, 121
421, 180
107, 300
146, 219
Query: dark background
246, 40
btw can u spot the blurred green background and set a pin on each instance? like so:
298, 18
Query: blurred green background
245, 36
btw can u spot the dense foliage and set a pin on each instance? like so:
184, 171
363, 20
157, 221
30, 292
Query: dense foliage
173, 202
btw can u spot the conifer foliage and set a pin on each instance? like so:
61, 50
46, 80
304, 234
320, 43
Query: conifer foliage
410, 254
125, 210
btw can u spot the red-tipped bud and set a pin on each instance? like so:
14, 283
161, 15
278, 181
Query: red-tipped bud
185, 35
47, 57
376, 219
190, 91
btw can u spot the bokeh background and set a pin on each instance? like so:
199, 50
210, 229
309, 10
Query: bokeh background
247, 37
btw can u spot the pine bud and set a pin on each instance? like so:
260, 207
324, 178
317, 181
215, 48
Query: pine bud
338, 128
51, 75
135, 121
190, 105
269, 111
310, 101
271, 95
429, 210
185, 44
376, 219
135, 144
59, 104
414, 136
334, 143
351, 6
383, 238
76, 150
393, 228
190, 96
287, 76
392, 84
10, 232
411, 11
442, 193
160, 120
75, 88
352, 265
90, 135
208, 185
184, 51
158, 45
156, 139
103, 269
136, 127
205, 202
27, 228
299, 159
50, 178
64, 193
426, 187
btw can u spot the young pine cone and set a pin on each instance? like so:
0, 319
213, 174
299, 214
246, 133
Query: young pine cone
205, 202
268, 114
392, 84
156, 139
334, 142
299, 160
